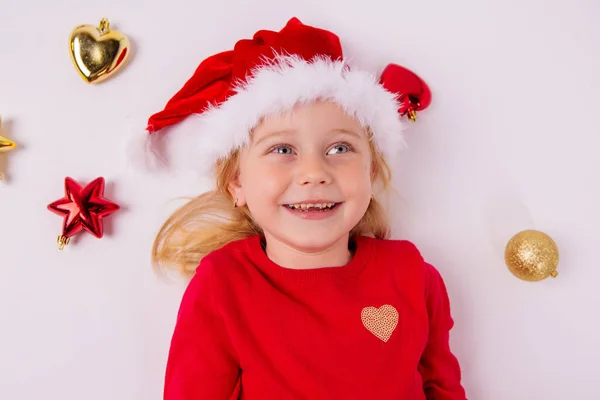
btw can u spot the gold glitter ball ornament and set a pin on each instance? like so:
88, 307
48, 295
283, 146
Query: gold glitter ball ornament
532, 256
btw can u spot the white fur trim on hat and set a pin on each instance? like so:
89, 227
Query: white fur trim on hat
200, 140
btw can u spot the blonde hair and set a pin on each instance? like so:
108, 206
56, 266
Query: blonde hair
210, 221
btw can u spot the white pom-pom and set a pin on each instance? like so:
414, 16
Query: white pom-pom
143, 152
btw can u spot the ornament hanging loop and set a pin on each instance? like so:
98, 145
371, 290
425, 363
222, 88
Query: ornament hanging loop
104, 26
412, 115
62, 241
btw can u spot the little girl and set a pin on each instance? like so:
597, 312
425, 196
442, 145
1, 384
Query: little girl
296, 290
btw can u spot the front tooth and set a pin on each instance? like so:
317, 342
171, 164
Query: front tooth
304, 206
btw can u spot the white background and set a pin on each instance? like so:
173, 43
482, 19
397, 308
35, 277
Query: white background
510, 141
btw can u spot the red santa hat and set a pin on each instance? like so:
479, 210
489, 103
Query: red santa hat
229, 93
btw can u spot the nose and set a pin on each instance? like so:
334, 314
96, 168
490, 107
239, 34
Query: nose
313, 170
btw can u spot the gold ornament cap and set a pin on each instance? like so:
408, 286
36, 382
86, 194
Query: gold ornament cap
532, 256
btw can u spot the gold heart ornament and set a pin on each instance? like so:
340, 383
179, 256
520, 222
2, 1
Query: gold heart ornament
97, 52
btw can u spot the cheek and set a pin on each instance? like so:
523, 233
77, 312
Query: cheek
356, 178
265, 181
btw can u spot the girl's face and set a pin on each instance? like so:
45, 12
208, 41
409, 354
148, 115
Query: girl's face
305, 176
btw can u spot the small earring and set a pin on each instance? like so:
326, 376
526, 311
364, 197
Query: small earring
235, 203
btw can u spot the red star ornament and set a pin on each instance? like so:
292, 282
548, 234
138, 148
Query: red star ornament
82, 208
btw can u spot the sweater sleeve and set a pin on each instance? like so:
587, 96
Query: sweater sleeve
201, 362
438, 366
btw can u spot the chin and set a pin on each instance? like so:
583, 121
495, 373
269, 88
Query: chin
308, 235
310, 240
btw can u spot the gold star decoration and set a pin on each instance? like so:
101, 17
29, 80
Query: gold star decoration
5, 144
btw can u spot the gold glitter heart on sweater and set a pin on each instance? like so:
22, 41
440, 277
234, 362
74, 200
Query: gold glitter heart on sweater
381, 321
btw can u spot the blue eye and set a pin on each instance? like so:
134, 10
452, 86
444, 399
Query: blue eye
282, 150
340, 148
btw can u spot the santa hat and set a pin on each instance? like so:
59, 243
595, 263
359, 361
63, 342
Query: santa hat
229, 93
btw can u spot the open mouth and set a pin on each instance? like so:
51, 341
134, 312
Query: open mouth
312, 208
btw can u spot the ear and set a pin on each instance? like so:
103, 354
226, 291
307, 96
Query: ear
236, 191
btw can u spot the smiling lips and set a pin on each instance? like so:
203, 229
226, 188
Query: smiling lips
313, 209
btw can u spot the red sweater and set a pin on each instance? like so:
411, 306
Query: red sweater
376, 328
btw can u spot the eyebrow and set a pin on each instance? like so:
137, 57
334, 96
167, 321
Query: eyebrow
271, 134
284, 132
